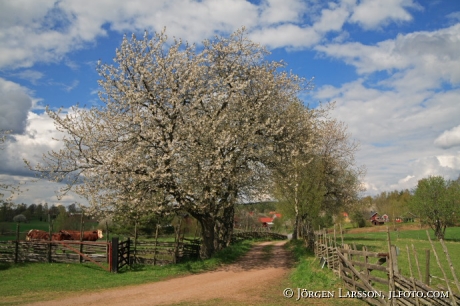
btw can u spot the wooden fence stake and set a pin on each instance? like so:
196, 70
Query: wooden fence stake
107, 250
156, 244
135, 243
412, 275
442, 270
341, 232
335, 238
366, 263
16, 245
327, 249
427, 267
81, 235
391, 283
416, 262
50, 230
450, 263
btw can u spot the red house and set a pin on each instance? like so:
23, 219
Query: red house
266, 221
377, 220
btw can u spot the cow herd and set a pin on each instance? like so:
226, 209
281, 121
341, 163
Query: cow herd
64, 235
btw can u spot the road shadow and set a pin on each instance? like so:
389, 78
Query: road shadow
263, 256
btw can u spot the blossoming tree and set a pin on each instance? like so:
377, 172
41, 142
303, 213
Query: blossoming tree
180, 128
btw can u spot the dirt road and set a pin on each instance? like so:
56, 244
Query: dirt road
245, 281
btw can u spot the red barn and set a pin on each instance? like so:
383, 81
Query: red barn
377, 220
266, 221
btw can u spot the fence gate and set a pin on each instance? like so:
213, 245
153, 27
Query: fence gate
119, 254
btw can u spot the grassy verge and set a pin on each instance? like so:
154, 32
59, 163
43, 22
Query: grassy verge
306, 274
24, 283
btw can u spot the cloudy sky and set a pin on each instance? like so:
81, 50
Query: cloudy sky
391, 66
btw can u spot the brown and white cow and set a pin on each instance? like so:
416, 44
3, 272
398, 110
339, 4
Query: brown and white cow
35, 234
87, 235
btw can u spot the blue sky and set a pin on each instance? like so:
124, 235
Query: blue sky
391, 66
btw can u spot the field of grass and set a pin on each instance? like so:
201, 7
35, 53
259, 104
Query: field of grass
377, 242
24, 228
10, 227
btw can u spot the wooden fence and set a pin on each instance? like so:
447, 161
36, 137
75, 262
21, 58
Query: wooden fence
163, 252
114, 255
375, 276
54, 252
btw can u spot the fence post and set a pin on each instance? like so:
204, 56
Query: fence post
156, 244
391, 257
341, 232
135, 243
114, 255
108, 249
82, 225
49, 238
16, 247
427, 267
128, 249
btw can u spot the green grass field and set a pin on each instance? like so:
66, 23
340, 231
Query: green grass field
377, 242
24, 228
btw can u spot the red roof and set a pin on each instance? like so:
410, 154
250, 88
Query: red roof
274, 213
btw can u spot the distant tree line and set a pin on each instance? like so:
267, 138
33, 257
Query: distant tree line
9, 210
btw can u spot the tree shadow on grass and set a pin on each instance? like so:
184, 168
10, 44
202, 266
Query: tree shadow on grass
5, 266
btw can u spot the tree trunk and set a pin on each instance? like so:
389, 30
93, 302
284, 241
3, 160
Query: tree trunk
439, 230
207, 223
227, 229
309, 236
295, 233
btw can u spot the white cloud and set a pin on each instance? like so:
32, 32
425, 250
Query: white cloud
36, 140
333, 18
46, 30
30, 75
371, 14
14, 105
449, 138
455, 16
280, 11
39, 191
417, 61
66, 87
366, 59
286, 35
397, 129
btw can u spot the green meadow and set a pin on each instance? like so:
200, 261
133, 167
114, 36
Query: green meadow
412, 245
